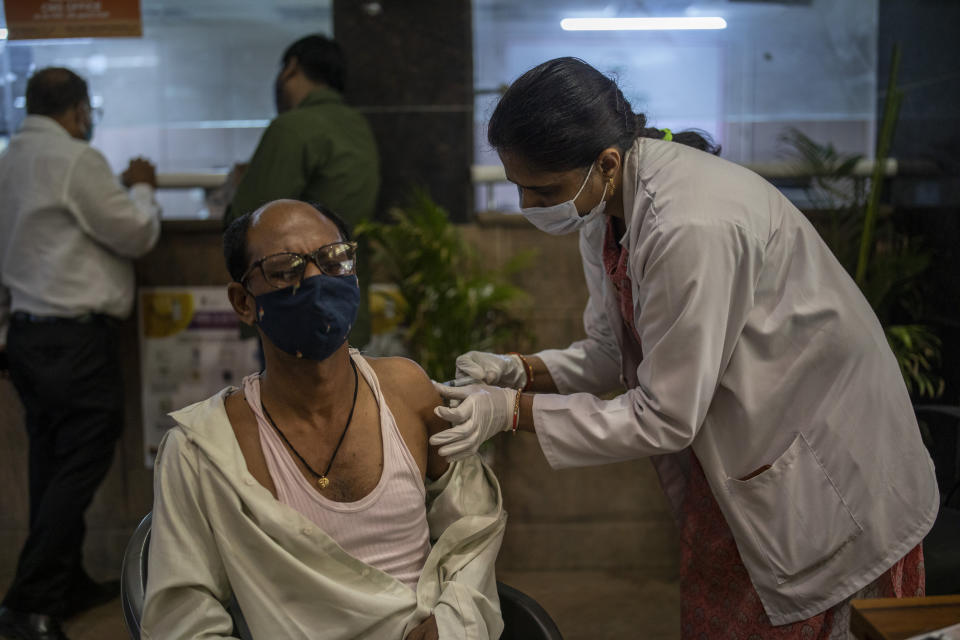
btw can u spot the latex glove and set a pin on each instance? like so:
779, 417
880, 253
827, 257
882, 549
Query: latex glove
483, 412
492, 368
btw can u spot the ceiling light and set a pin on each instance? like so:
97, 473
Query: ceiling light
641, 24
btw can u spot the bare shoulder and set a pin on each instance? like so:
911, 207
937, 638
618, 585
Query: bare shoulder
404, 378
396, 364
240, 416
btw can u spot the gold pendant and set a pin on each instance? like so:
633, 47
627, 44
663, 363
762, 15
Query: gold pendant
322, 482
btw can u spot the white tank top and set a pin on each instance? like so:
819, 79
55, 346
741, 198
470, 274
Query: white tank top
387, 528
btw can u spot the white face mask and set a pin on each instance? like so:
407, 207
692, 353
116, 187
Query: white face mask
563, 218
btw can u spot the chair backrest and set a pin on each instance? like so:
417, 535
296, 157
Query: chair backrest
133, 584
940, 427
133, 576
523, 617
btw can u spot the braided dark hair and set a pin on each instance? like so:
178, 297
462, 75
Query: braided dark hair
562, 113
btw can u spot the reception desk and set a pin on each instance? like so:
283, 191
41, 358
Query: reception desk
899, 618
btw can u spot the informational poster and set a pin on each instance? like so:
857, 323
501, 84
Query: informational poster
33, 19
190, 348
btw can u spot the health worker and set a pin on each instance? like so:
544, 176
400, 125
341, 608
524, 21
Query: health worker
758, 379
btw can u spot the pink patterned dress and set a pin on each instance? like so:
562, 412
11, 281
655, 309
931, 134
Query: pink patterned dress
717, 598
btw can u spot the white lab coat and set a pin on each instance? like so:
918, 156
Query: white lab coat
758, 349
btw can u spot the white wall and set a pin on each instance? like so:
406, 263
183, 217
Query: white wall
806, 64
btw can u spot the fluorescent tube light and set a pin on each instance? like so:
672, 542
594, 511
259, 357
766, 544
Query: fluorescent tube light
641, 24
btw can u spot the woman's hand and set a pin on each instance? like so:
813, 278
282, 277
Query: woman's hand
426, 630
492, 368
483, 412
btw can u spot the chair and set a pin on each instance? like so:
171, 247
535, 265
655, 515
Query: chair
940, 428
523, 618
133, 584
133, 576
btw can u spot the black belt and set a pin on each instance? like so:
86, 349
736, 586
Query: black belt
31, 318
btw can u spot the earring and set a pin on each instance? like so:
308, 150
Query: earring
612, 187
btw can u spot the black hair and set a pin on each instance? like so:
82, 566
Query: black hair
235, 239
235, 246
321, 60
54, 90
561, 114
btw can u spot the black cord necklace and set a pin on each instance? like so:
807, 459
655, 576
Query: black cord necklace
322, 480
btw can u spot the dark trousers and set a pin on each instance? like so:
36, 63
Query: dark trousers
68, 378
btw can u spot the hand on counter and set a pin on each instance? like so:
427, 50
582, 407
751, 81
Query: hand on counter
139, 170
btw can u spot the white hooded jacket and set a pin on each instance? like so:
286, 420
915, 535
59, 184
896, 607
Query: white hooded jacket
217, 532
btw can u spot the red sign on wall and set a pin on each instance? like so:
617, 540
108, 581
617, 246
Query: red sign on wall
33, 19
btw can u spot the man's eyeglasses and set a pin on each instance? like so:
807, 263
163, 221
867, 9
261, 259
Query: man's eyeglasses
286, 269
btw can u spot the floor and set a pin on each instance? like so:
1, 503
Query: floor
586, 605
595, 605
103, 623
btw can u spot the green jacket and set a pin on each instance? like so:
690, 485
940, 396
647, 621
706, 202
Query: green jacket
321, 151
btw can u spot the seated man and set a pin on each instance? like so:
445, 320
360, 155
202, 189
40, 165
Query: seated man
302, 493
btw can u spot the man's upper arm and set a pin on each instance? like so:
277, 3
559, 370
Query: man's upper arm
106, 212
424, 399
412, 384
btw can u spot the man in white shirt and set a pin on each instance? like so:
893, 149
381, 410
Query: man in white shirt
68, 234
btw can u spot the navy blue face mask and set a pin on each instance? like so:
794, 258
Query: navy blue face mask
313, 319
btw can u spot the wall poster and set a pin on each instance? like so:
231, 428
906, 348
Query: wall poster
190, 348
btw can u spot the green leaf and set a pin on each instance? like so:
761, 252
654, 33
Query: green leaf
887, 265
454, 302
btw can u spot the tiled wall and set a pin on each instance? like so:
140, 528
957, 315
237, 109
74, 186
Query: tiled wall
411, 75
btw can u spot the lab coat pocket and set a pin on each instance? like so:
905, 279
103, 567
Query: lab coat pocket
796, 513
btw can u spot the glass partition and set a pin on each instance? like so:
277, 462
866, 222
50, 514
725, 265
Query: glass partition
193, 94
809, 64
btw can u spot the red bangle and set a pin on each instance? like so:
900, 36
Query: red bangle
527, 368
516, 412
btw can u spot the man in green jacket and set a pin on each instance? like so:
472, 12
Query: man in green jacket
318, 149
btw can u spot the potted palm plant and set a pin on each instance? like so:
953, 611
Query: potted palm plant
895, 262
